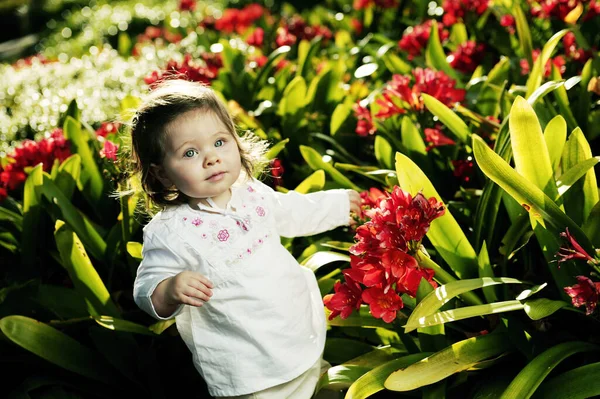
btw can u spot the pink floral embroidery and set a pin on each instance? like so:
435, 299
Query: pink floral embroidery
260, 211
184, 219
243, 226
223, 235
249, 251
197, 221
204, 236
260, 241
250, 189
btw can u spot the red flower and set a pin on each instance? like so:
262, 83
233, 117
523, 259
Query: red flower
238, 20
467, 57
362, 4
434, 83
593, 10
187, 5
3, 194
187, 69
107, 128
572, 51
455, 10
284, 37
463, 169
584, 293
554, 8
277, 170
109, 151
387, 106
31, 153
436, 138
256, 38
383, 305
347, 297
558, 61
356, 25
372, 197
415, 39
365, 126
572, 250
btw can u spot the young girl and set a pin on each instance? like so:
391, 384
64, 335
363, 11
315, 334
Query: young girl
250, 314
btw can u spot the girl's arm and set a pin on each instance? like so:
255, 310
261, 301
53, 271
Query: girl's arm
164, 283
307, 214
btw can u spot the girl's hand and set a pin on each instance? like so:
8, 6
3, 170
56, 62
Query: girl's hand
355, 202
189, 288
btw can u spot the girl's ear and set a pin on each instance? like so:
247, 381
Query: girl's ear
159, 172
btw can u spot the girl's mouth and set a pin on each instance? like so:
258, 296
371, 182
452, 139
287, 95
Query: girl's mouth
216, 177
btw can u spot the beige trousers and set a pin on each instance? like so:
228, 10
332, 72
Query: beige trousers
301, 387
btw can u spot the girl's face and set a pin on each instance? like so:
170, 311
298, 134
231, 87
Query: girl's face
202, 158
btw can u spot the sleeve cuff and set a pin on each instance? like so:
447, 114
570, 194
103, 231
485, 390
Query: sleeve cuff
342, 211
144, 301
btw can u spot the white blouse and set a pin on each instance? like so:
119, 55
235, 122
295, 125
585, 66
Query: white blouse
265, 323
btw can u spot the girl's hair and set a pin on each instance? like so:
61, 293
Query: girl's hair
166, 102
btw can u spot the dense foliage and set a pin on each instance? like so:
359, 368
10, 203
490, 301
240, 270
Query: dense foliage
469, 127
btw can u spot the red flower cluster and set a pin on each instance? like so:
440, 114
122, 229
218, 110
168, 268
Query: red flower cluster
28, 61
455, 10
467, 56
435, 83
381, 260
364, 126
109, 151
153, 33
508, 21
415, 38
107, 128
276, 168
187, 5
558, 61
584, 293
463, 169
560, 8
31, 153
573, 250
297, 29
188, 69
256, 38
362, 4
239, 20
572, 51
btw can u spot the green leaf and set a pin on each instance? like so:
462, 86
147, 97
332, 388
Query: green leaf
580, 383
340, 350
591, 227
314, 182
115, 324
537, 309
68, 175
66, 303
448, 118
294, 96
444, 233
57, 348
456, 358
533, 199
91, 178
124, 44
276, 149
441, 295
434, 54
306, 52
321, 258
571, 176
83, 275
160, 326
265, 71
31, 217
536, 75
384, 152
529, 148
459, 34
580, 200
485, 270
527, 381
464, 313
134, 249
562, 99
524, 35
7, 215
372, 381
315, 161
80, 224
555, 136
432, 338
340, 115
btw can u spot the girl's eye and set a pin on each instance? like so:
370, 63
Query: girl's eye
189, 153
219, 143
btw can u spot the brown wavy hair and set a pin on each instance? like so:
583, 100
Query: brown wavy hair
165, 103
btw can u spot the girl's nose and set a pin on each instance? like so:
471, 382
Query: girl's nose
211, 159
